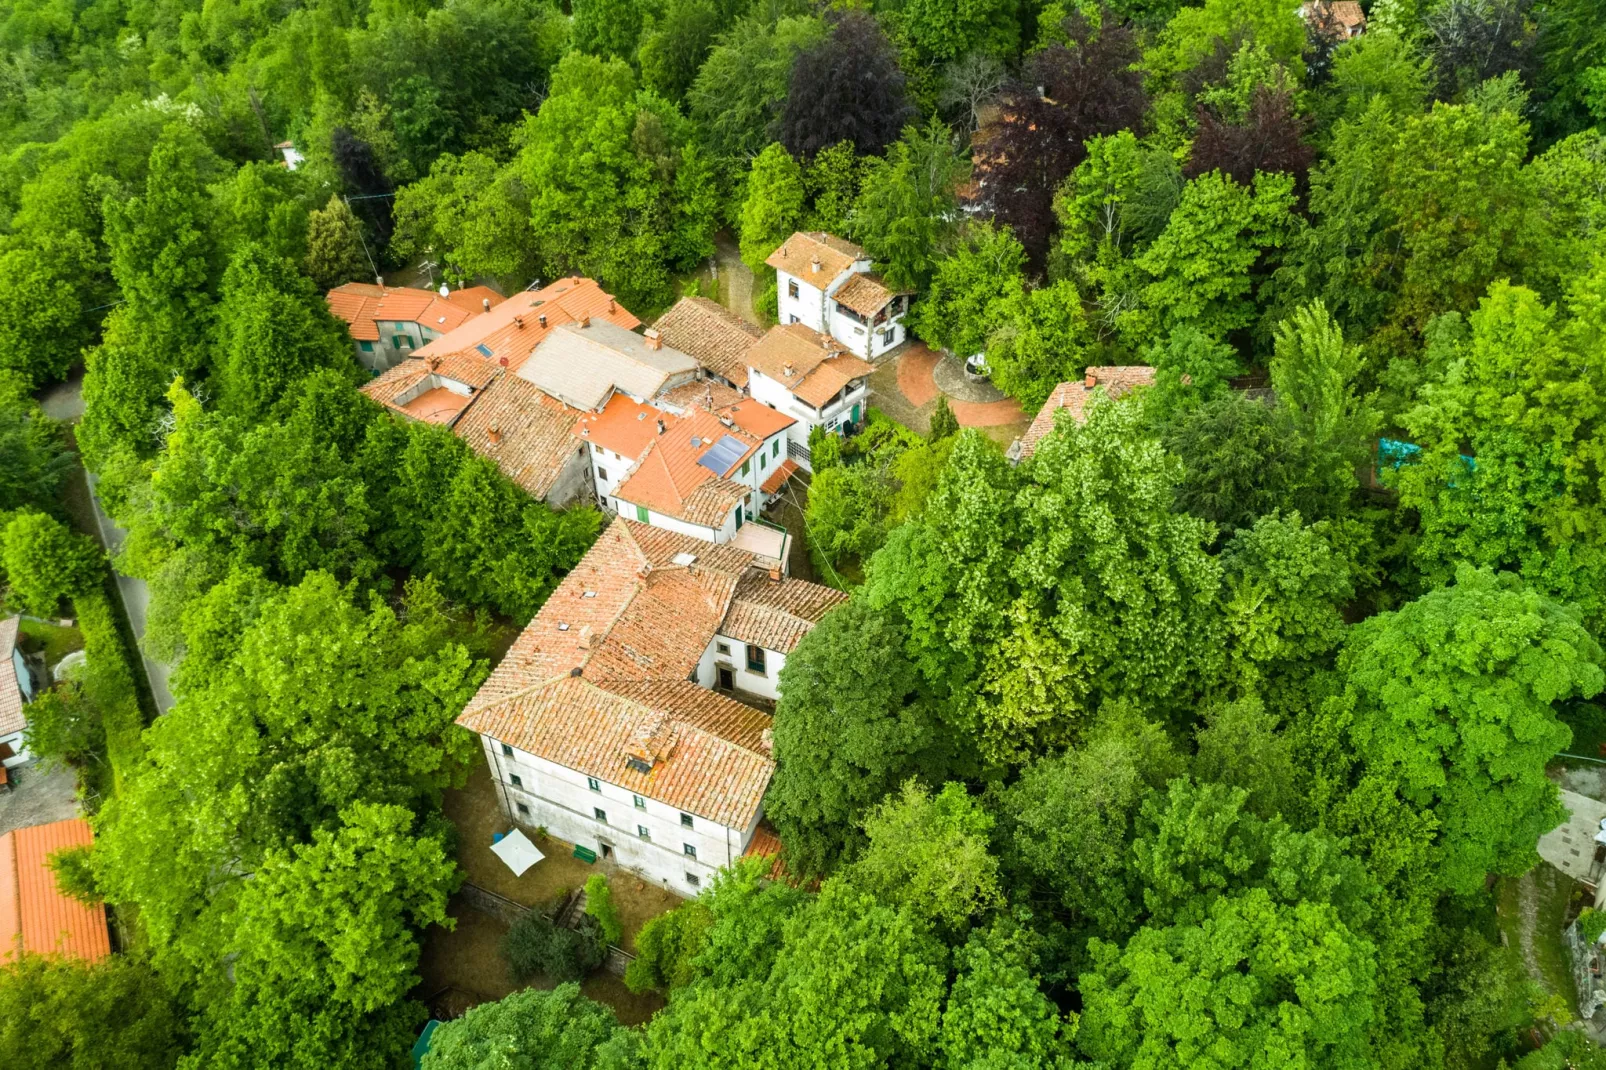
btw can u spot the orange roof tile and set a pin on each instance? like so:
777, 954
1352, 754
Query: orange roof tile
364, 305
623, 426
1114, 380
35, 917
798, 254
766, 843
671, 479
513, 328
864, 293
709, 393
473, 298
777, 614
399, 386
12, 719
525, 432
778, 478
757, 418
717, 337
811, 365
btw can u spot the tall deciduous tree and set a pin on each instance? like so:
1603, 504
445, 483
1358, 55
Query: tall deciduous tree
534, 1030
928, 854
847, 87
905, 214
66, 1013
1452, 697
335, 251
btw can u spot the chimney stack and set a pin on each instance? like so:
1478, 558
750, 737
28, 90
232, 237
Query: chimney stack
1092, 380
585, 321
654, 340
494, 433
541, 319
518, 321
434, 363
814, 265
661, 427
775, 574
786, 369
485, 303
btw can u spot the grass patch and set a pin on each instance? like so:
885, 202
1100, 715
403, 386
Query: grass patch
1531, 911
51, 640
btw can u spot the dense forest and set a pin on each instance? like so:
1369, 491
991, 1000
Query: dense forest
1201, 738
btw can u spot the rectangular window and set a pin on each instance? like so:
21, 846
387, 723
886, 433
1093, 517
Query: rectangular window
641, 513
690, 849
763, 461
401, 341
602, 815
791, 287
685, 820
507, 751
524, 811
775, 450
643, 832
794, 319
694, 880
602, 474
593, 784
366, 347
746, 466
641, 804
755, 659
723, 648
516, 781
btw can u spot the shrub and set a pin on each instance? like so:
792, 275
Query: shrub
535, 946
45, 562
75, 874
1591, 924
600, 906
64, 727
666, 948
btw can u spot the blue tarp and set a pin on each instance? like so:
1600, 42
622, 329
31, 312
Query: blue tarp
421, 1046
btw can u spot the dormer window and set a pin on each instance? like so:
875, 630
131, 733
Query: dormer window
639, 765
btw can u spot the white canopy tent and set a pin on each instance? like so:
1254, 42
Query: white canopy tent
517, 851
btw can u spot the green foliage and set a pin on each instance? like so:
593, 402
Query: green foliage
64, 727
852, 724
1040, 341
928, 854
1451, 698
968, 290
601, 907
740, 90
667, 948
533, 1030
944, 424
672, 51
1239, 463
34, 460
996, 1012
941, 31
535, 947
74, 874
334, 244
773, 208
905, 212
1591, 924
82, 1016
109, 687
45, 562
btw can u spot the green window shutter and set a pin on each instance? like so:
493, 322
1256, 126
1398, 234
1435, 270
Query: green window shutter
746, 466
641, 513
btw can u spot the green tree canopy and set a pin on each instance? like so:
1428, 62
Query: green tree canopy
534, 1030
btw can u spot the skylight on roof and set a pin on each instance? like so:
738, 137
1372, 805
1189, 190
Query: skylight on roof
682, 559
484, 350
724, 455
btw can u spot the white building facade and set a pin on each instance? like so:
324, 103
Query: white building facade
827, 284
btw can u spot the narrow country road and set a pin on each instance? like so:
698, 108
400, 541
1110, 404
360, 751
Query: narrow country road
65, 402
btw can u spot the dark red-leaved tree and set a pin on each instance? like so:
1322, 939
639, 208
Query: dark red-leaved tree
1064, 95
847, 88
362, 174
1271, 138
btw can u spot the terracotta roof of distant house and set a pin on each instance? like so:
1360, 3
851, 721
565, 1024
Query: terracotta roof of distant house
416, 387
35, 917
365, 305
634, 617
672, 479
707, 393
1346, 13
766, 843
797, 254
512, 329
582, 364
865, 294
813, 366
523, 430
12, 718
777, 614
473, 298
717, 337
1115, 380
777, 479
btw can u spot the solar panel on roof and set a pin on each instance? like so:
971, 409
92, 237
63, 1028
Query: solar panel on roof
484, 350
725, 453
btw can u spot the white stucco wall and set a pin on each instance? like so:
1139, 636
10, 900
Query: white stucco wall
713, 659
808, 307
20, 754
561, 801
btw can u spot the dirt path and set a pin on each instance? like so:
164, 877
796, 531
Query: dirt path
1528, 925
735, 280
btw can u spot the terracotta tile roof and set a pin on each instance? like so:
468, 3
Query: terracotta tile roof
776, 615
717, 337
1347, 13
12, 718
671, 479
864, 293
512, 329
624, 426
35, 917
797, 254
593, 729
525, 432
778, 478
1115, 380
634, 617
811, 365
708, 393
365, 305
766, 843
757, 418
581, 365
415, 378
